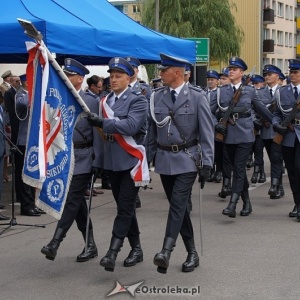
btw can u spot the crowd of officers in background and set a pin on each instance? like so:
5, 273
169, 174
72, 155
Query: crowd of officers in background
249, 113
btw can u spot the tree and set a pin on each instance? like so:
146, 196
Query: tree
198, 18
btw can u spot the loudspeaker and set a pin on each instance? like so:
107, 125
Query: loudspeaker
200, 76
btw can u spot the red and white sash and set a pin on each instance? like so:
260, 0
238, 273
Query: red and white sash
140, 173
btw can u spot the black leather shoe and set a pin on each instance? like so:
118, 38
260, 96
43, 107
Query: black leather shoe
91, 249
106, 186
135, 256
30, 212
2, 206
3, 218
293, 213
40, 211
262, 177
192, 260
161, 259
218, 177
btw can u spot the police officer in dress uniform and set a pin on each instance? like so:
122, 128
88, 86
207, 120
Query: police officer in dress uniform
259, 174
226, 168
144, 89
286, 97
267, 94
86, 142
131, 109
25, 192
182, 122
238, 134
212, 87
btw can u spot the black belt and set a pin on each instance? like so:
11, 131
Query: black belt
177, 148
238, 115
83, 145
296, 121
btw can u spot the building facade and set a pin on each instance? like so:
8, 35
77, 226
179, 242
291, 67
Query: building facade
270, 28
131, 8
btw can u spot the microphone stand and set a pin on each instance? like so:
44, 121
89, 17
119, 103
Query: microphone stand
13, 220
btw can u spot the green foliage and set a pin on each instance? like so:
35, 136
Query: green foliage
198, 18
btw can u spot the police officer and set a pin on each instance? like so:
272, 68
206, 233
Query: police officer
272, 75
86, 141
224, 77
287, 97
145, 90
212, 78
226, 168
183, 122
238, 134
123, 113
259, 174
25, 192
156, 83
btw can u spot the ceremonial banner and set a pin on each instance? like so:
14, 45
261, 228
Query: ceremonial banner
49, 161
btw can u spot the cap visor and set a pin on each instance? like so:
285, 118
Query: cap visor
117, 69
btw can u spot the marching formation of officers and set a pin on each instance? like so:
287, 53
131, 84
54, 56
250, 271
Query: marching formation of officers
190, 132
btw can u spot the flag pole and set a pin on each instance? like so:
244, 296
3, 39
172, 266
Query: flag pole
32, 32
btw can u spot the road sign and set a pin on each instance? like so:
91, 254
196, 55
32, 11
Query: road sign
202, 49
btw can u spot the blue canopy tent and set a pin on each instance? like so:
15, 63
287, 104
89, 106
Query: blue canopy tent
92, 31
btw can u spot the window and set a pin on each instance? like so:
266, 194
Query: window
290, 39
266, 61
274, 35
135, 9
267, 4
266, 34
287, 12
125, 10
286, 39
273, 61
280, 10
279, 38
274, 5
280, 63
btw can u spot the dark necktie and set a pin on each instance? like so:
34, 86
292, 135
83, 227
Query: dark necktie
271, 93
173, 92
234, 89
296, 92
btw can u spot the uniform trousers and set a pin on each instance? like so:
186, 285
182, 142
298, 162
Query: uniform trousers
226, 166
275, 155
178, 189
219, 156
25, 193
76, 207
236, 155
124, 192
291, 156
258, 150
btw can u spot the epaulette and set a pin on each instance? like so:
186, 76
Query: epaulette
196, 88
136, 93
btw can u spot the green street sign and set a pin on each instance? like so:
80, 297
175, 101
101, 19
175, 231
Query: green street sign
202, 49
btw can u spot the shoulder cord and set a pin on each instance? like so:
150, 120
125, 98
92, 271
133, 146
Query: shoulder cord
16, 110
162, 123
284, 111
222, 109
186, 150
